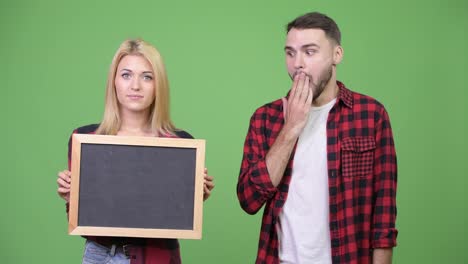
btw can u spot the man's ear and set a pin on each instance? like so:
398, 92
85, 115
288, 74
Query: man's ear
337, 55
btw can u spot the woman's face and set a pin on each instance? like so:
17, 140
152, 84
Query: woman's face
134, 84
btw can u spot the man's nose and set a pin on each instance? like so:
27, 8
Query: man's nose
299, 62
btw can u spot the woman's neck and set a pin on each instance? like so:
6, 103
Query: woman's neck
135, 124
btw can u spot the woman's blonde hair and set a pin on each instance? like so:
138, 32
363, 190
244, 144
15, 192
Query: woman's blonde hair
161, 123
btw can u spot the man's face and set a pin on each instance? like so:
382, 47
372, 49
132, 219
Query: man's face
311, 52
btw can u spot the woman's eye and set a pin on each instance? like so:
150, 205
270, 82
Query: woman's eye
125, 75
147, 78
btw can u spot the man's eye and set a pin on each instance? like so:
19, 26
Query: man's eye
310, 52
290, 54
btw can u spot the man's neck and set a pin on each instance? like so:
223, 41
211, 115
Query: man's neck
329, 93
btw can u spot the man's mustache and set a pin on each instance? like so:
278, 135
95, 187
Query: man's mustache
299, 72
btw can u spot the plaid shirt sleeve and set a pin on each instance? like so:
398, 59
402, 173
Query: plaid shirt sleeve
384, 233
254, 187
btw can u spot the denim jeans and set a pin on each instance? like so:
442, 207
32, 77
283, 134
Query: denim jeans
98, 254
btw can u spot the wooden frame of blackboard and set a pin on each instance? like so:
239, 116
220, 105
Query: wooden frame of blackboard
193, 233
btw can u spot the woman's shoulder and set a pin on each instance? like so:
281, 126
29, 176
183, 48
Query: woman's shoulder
183, 134
88, 129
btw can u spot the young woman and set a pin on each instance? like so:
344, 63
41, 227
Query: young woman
137, 104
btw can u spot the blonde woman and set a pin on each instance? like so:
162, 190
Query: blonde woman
137, 104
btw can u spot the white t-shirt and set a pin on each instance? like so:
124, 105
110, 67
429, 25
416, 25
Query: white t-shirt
303, 226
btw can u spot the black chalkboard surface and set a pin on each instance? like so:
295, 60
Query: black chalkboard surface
136, 186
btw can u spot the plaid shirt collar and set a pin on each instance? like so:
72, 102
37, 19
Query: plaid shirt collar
345, 95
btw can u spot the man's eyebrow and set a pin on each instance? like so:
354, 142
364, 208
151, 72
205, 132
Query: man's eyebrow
303, 46
310, 45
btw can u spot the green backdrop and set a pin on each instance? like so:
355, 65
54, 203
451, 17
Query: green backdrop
224, 60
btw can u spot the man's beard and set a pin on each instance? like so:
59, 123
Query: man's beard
322, 82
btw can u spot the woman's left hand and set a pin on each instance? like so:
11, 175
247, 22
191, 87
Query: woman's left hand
208, 185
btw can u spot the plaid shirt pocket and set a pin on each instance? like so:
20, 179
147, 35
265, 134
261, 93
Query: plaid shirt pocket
357, 156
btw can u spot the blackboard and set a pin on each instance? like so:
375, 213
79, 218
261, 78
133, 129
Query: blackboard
136, 186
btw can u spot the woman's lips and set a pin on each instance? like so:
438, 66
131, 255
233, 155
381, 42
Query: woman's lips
134, 96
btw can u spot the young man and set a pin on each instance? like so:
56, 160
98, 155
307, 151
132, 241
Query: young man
323, 161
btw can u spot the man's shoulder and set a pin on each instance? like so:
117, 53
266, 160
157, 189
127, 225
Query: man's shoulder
366, 102
86, 129
272, 108
366, 106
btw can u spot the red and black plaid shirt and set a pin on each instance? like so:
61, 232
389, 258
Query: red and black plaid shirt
362, 178
142, 250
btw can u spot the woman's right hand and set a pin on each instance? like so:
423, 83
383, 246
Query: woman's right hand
63, 181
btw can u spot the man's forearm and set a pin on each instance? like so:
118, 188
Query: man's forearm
382, 256
278, 156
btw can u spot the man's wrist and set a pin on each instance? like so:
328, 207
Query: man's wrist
288, 135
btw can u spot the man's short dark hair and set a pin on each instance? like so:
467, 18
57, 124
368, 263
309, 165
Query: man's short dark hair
319, 21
